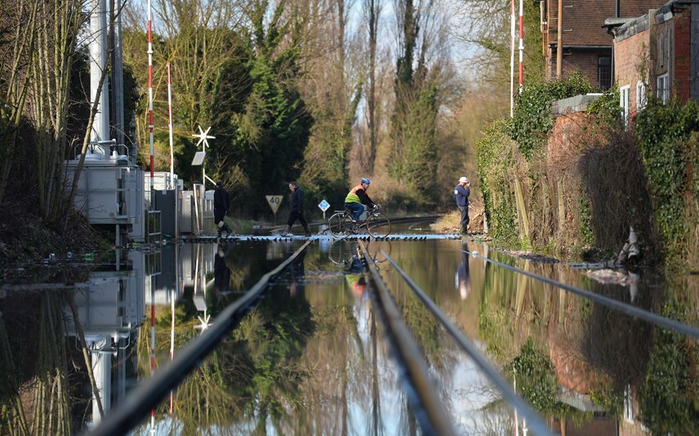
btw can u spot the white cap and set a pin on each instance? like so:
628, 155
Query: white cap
463, 180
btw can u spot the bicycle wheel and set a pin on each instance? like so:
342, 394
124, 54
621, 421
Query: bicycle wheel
378, 226
339, 224
340, 253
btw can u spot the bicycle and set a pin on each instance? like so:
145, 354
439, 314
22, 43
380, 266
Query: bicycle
375, 224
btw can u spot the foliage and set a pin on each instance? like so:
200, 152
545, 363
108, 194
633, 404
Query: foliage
533, 118
670, 393
495, 163
536, 379
415, 149
606, 108
588, 237
263, 120
667, 137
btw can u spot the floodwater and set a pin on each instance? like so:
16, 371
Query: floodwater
311, 358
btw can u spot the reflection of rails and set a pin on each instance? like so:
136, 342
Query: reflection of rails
148, 394
628, 309
429, 411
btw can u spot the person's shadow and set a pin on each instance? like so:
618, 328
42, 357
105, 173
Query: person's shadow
462, 277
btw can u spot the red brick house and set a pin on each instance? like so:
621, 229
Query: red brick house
586, 45
658, 54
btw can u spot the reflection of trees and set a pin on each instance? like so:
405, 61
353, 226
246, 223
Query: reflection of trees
520, 315
536, 380
669, 396
595, 350
617, 345
252, 375
34, 390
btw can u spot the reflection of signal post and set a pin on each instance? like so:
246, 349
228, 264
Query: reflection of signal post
274, 202
200, 155
324, 205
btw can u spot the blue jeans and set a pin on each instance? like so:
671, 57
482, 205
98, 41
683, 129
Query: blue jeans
356, 208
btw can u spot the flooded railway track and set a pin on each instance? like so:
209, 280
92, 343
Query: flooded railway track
415, 377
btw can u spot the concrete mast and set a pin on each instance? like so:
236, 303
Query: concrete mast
98, 63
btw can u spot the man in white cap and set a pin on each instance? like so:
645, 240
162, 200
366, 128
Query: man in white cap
461, 193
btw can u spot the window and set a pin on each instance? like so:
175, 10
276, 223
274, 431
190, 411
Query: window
604, 71
624, 103
663, 91
641, 97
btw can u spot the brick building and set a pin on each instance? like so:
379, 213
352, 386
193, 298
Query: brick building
586, 45
658, 54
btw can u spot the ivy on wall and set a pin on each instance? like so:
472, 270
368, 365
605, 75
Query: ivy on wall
668, 138
495, 162
533, 119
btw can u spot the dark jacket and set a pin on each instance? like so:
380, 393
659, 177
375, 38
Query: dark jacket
221, 199
297, 200
461, 195
220, 203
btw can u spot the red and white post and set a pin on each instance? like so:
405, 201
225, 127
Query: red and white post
521, 45
150, 101
169, 124
512, 58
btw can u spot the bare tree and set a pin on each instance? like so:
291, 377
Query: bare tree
18, 32
372, 10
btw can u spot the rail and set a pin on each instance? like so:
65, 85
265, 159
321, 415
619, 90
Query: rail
533, 419
628, 309
428, 408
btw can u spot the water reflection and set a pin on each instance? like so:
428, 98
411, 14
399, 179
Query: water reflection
463, 279
298, 277
311, 358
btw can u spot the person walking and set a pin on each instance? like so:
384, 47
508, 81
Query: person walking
221, 208
461, 193
357, 198
296, 212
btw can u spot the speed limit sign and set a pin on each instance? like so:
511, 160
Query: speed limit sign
274, 202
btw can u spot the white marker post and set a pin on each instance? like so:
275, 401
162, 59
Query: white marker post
324, 205
274, 202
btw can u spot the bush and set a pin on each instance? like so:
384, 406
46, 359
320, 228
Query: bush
533, 119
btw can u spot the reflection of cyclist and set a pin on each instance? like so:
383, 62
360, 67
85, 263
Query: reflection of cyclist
357, 198
355, 277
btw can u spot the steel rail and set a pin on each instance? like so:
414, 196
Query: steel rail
428, 408
628, 309
148, 394
537, 424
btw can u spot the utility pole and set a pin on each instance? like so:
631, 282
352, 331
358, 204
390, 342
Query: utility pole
559, 45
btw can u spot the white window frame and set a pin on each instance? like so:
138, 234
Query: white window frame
624, 92
641, 95
628, 404
663, 90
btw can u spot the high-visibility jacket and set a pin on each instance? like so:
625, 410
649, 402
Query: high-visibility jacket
358, 195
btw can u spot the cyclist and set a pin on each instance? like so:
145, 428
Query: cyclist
357, 198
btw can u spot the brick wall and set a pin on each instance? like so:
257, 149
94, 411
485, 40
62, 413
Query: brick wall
586, 62
629, 58
642, 51
582, 24
682, 54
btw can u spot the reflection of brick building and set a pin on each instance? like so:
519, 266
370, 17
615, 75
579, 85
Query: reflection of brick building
575, 379
586, 45
653, 55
